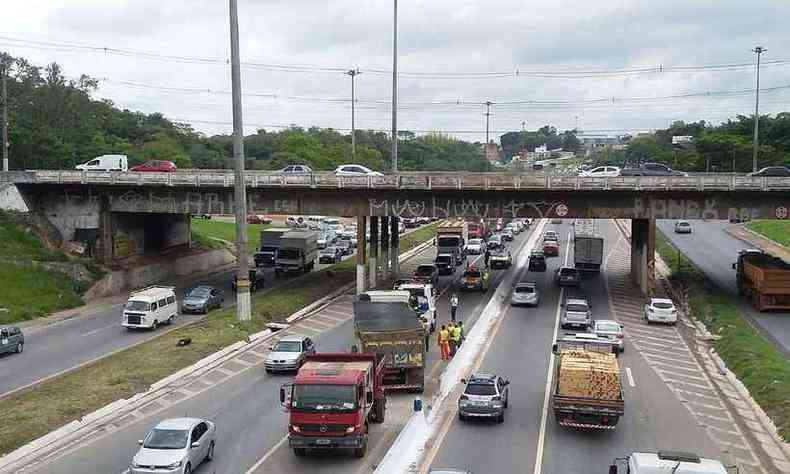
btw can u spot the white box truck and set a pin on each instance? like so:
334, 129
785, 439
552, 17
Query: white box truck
297, 252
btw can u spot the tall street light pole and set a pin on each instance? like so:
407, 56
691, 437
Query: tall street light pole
353, 73
243, 303
759, 50
5, 64
395, 88
488, 116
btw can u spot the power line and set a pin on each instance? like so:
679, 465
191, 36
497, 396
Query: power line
516, 72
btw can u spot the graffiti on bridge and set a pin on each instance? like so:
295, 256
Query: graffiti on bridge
463, 207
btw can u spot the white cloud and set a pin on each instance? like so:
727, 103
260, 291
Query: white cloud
441, 35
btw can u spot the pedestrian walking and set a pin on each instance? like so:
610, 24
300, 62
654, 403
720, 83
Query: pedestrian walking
486, 257
444, 343
453, 306
450, 340
455, 337
460, 327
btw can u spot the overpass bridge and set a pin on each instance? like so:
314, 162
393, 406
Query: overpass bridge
152, 209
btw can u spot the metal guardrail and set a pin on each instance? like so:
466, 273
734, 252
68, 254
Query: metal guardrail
418, 181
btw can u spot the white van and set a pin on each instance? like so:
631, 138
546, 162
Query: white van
150, 307
105, 163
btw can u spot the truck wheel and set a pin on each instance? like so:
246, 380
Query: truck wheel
379, 411
501, 418
299, 452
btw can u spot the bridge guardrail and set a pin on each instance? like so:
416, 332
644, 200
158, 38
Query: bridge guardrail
422, 181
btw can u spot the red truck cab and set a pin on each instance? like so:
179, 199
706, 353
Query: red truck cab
478, 230
331, 401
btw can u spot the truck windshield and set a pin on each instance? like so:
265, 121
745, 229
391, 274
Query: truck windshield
135, 305
269, 249
448, 241
443, 259
324, 397
288, 254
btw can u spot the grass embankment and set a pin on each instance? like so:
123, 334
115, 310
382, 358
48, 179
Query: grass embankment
206, 231
29, 291
778, 231
756, 362
57, 402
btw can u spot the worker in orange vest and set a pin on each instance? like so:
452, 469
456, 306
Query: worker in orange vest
444, 343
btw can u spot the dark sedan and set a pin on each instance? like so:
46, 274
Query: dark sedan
202, 299
772, 171
330, 255
568, 276
345, 247
427, 273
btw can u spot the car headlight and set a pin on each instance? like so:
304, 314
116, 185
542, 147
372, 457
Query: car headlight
296, 429
133, 464
175, 464
350, 429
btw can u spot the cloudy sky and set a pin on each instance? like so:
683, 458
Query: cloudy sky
563, 62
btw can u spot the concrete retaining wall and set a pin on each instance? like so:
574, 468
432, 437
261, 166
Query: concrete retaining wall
123, 280
10, 199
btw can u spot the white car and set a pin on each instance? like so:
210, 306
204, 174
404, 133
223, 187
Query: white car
475, 247
661, 310
175, 446
601, 172
296, 169
355, 170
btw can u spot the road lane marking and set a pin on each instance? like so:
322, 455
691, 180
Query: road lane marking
267, 455
109, 326
549, 377
630, 377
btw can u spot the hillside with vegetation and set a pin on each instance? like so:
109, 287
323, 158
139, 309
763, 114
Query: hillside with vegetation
36, 281
56, 123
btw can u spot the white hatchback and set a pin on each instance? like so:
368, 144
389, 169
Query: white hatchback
355, 170
661, 310
601, 172
175, 446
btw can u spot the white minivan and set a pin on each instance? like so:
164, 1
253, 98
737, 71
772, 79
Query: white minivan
105, 163
150, 307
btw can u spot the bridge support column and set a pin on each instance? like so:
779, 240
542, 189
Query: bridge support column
361, 253
394, 246
385, 247
643, 254
374, 250
105, 231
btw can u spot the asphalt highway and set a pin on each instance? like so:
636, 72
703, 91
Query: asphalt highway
714, 251
52, 348
251, 423
530, 441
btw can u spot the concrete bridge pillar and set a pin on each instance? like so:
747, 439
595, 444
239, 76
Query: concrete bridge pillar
105, 231
385, 246
643, 254
374, 250
361, 254
394, 246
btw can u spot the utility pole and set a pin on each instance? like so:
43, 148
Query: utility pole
5, 64
395, 88
353, 73
243, 303
759, 50
488, 116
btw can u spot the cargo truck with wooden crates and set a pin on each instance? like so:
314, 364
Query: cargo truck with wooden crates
764, 279
586, 391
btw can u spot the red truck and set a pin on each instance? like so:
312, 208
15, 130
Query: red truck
478, 230
331, 401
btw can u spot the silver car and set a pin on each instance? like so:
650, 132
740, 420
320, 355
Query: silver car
576, 313
202, 299
611, 330
485, 396
289, 353
175, 446
682, 227
525, 294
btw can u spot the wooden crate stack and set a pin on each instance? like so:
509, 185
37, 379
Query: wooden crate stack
589, 374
